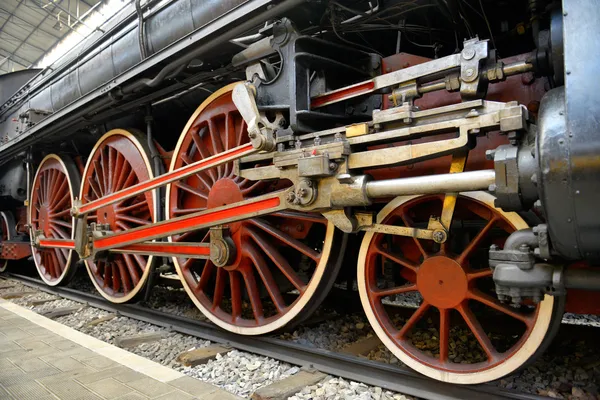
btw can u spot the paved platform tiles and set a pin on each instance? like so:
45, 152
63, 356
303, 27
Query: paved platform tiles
41, 359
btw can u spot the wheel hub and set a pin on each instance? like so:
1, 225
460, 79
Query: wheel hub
442, 282
224, 192
107, 215
44, 220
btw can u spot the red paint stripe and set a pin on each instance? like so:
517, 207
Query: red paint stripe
57, 243
327, 98
169, 227
169, 248
164, 179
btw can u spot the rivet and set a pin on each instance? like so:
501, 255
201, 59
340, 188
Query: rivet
568, 72
565, 13
577, 192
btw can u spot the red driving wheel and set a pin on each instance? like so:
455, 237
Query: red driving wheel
52, 194
119, 160
282, 268
453, 287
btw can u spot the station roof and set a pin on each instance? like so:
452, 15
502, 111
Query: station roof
30, 29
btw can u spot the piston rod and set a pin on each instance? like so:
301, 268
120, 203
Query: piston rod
431, 184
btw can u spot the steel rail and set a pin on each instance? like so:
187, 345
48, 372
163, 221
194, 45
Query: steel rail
346, 366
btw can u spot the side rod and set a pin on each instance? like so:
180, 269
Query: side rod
216, 216
164, 179
179, 249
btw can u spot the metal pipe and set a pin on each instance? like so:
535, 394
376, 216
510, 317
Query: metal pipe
584, 279
520, 237
431, 184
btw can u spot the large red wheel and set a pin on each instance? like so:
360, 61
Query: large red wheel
285, 263
119, 160
7, 223
52, 194
458, 311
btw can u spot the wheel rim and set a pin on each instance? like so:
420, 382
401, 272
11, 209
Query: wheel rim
276, 255
6, 235
119, 160
453, 282
52, 195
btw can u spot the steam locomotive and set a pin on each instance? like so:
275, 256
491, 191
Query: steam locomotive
444, 151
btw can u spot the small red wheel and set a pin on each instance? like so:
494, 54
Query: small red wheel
7, 222
119, 160
52, 194
285, 263
456, 292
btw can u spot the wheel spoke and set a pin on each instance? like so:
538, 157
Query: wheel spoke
63, 213
63, 202
123, 175
62, 234
478, 331
132, 207
444, 341
107, 274
189, 189
124, 275
205, 276
219, 288
95, 188
396, 258
287, 239
62, 190
409, 223
236, 295
265, 274
395, 290
202, 151
55, 264
482, 273
133, 220
279, 261
494, 303
200, 175
133, 271
417, 315
476, 241
253, 292
62, 223
116, 283
217, 145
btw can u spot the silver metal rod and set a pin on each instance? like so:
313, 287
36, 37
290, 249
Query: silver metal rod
431, 184
519, 67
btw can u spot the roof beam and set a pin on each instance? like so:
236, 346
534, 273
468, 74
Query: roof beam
11, 15
14, 58
23, 41
68, 12
27, 38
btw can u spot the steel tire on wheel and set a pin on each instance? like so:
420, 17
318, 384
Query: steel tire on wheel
124, 154
53, 191
275, 254
7, 223
451, 287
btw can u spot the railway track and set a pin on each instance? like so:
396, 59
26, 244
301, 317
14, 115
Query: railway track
343, 365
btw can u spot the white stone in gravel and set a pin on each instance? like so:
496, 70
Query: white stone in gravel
240, 373
340, 389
